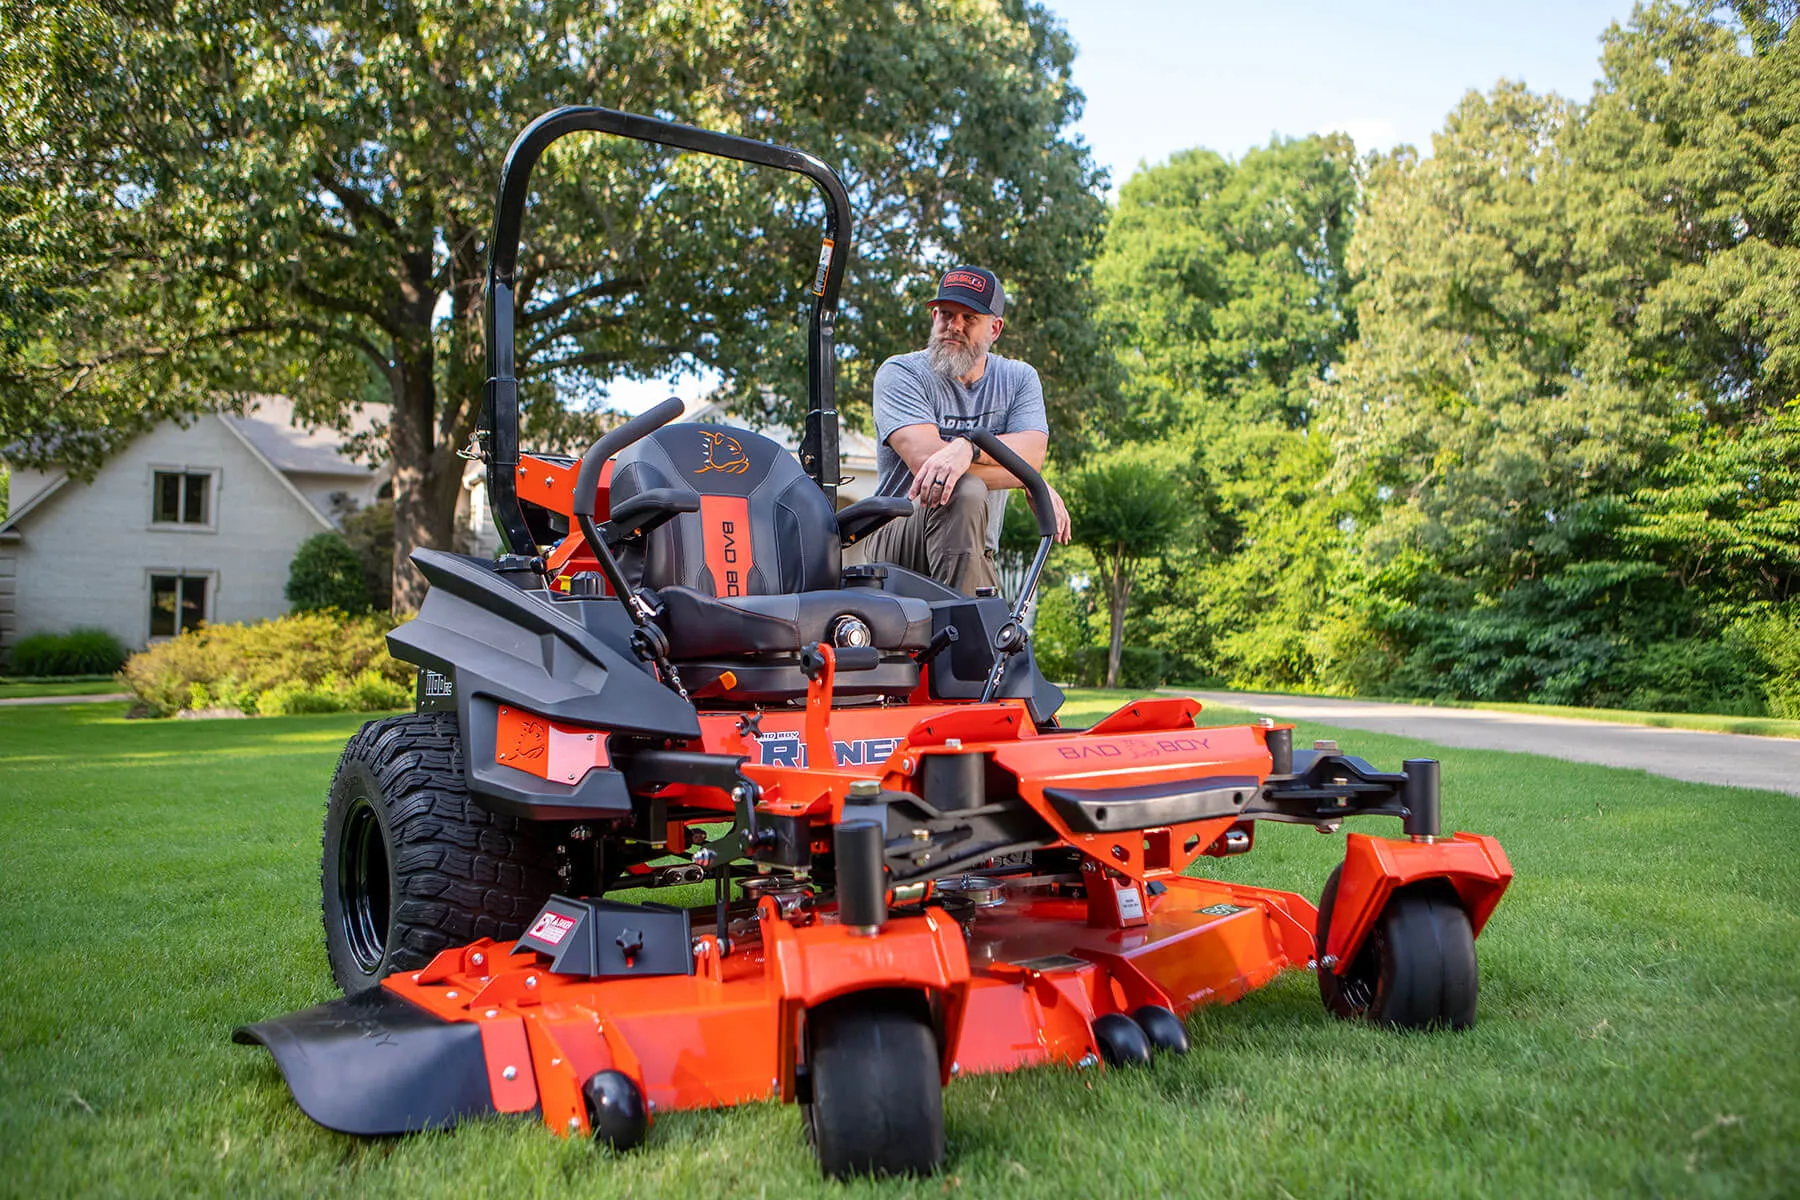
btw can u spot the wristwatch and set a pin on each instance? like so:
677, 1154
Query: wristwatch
974, 450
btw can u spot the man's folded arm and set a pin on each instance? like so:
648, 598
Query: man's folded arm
916, 443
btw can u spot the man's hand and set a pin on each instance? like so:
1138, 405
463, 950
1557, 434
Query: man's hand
935, 480
1062, 516
1059, 514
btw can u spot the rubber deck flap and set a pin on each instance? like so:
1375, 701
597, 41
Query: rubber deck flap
1114, 810
374, 1064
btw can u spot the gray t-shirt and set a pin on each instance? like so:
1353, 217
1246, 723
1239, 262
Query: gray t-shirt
1006, 399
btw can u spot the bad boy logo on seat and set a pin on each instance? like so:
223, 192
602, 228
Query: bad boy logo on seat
723, 453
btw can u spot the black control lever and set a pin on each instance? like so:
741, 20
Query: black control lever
1013, 636
650, 640
941, 641
587, 485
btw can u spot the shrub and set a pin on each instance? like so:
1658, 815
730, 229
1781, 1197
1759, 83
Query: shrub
370, 532
1688, 675
1060, 632
326, 573
1140, 668
1774, 638
370, 691
305, 659
78, 652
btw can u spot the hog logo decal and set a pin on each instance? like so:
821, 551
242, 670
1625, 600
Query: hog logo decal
724, 454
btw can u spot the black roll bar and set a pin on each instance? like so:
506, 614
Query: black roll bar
500, 400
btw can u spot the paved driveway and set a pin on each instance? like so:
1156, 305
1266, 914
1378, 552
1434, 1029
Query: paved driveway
1728, 758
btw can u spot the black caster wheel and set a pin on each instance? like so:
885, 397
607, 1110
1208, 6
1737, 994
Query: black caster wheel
1162, 1027
1416, 968
616, 1109
877, 1101
1122, 1041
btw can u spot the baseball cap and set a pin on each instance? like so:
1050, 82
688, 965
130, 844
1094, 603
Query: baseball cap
977, 287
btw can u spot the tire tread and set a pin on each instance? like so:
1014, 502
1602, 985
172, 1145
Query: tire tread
460, 871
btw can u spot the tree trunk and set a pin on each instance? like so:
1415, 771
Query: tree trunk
427, 475
422, 441
1118, 591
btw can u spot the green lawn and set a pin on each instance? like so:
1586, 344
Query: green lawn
1639, 1015
1705, 722
73, 685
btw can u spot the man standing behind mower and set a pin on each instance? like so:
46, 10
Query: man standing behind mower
922, 402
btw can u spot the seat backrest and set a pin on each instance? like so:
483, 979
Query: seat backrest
764, 527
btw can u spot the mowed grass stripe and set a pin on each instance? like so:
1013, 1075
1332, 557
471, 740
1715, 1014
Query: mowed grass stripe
1638, 1011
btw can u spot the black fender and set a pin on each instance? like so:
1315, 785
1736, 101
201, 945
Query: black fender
495, 643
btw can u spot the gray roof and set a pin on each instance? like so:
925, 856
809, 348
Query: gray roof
268, 424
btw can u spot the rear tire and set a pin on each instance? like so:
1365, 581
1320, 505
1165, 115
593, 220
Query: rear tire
411, 864
1415, 970
877, 1101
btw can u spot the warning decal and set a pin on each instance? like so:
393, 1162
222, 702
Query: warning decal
1131, 901
551, 928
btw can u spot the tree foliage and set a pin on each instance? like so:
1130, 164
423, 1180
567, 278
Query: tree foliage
209, 200
1227, 292
1541, 443
1123, 511
1224, 283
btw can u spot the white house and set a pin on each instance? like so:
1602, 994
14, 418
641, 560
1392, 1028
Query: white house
200, 522
186, 524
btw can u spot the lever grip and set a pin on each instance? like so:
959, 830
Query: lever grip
587, 480
858, 658
1035, 487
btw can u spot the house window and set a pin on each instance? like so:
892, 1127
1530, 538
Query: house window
182, 498
177, 603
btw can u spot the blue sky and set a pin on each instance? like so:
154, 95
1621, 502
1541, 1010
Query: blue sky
1168, 75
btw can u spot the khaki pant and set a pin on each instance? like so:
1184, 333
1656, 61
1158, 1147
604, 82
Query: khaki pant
948, 543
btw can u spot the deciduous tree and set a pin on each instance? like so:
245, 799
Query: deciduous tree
1126, 506
205, 200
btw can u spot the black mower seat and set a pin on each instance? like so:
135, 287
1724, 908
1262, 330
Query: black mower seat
755, 571
762, 527
749, 569
702, 626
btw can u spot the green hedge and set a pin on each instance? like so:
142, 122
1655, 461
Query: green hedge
1140, 669
309, 662
326, 573
78, 652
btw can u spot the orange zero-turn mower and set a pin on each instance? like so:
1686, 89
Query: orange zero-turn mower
915, 872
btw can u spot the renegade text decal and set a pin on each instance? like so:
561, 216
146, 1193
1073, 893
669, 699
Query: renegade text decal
785, 749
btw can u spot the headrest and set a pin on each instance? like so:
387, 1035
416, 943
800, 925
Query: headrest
717, 459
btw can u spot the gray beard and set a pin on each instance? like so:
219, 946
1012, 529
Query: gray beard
952, 360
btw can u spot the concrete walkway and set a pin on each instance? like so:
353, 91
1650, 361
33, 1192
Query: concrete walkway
109, 698
1735, 759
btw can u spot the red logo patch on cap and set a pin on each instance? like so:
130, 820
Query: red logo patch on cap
973, 282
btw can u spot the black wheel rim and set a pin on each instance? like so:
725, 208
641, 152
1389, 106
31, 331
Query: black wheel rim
363, 890
1359, 986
